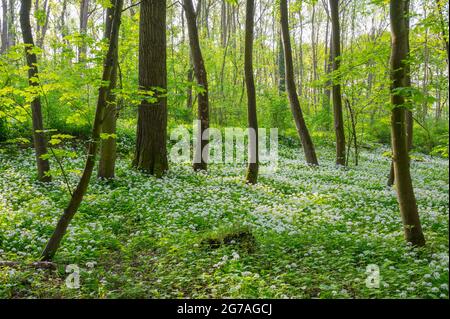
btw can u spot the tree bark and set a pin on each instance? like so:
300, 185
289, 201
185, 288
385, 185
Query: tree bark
43, 29
84, 15
336, 90
405, 191
11, 28
151, 149
281, 69
200, 163
253, 158
107, 162
4, 36
75, 201
409, 115
40, 143
444, 28
305, 138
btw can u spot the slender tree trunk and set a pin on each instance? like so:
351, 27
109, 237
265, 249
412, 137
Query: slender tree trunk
4, 37
84, 15
151, 148
314, 53
11, 24
352, 116
336, 91
300, 49
107, 162
40, 143
62, 20
281, 68
305, 138
190, 78
405, 191
200, 163
252, 171
77, 197
444, 28
42, 29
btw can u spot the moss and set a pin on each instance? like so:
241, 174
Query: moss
241, 237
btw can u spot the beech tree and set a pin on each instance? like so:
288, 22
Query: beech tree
336, 91
84, 16
398, 71
39, 140
103, 92
305, 137
107, 162
253, 158
200, 163
151, 150
409, 115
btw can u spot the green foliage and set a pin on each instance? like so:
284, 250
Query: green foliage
299, 233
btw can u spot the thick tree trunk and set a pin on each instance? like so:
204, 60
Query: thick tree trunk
200, 163
107, 162
405, 191
151, 148
253, 158
336, 91
40, 144
77, 197
409, 115
305, 138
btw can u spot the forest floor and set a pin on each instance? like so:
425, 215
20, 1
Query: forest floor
302, 232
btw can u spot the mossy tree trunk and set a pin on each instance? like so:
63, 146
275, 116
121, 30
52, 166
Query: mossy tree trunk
107, 162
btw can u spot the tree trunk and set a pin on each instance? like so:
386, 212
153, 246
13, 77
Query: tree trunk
62, 20
405, 191
314, 54
40, 143
77, 197
253, 158
444, 28
11, 27
200, 163
409, 115
107, 162
151, 148
43, 29
281, 68
336, 91
305, 138
4, 37
84, 15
